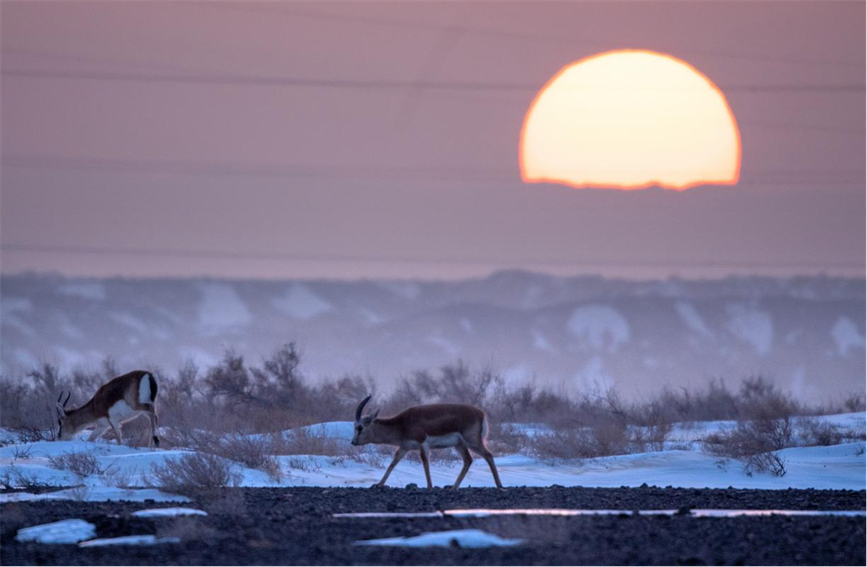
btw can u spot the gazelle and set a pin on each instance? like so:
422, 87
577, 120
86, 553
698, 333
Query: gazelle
434, 426
120, 400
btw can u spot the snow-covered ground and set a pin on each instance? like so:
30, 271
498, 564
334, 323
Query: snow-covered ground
683, 464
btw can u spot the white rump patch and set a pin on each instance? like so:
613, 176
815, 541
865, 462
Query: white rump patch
144, 389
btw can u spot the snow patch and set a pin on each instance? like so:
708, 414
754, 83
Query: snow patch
127, 319
846, 335
542, 343
96, 494
599, 324
221, 308
64, 531
751, 325
693, 320
301, 303
10, 307
470, 539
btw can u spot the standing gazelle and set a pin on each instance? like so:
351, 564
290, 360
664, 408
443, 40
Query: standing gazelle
120, 400
434, 426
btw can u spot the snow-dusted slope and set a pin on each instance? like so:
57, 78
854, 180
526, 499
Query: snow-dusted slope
807, 334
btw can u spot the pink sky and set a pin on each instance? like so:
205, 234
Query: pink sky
385, 143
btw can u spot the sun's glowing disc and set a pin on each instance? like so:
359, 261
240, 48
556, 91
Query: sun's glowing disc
629, 120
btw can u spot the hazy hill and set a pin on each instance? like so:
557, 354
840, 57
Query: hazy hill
806, 333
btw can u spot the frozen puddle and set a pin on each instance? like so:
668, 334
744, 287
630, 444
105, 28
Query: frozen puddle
697, 513
461, 538
64, 531
169, 512
483, 513
129, 540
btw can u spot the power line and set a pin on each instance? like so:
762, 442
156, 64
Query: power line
403, 259
514, 34
362, 84
362, 173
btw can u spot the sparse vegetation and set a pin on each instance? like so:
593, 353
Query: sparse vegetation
79, 463
250, 413
193, 472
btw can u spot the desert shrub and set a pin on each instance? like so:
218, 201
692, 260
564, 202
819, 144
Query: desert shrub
79, 463
307, 441
252, 452
193, 472
504, 438
814, 432
302, 464
751, 438
765, 462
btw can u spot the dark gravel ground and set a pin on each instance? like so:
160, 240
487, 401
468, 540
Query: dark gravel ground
294, 526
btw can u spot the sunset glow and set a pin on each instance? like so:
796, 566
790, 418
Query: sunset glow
629, 120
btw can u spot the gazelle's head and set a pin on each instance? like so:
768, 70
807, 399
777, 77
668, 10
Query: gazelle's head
363, 430
63, 433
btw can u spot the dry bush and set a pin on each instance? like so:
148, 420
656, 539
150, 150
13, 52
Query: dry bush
302, 464
307, 441
79, 463
506, 439
765, 462
751, 438
376, 457
252, 452
194, 472
814, 432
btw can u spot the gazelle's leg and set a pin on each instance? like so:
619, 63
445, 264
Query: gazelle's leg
397, 457
489, 458
468, 460
151, 412
98, 431
116, 428
424, 450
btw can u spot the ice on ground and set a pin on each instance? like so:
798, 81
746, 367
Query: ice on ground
735, 513
64, 531
462, 538
168, 512
96, 494
362, 515
129, 540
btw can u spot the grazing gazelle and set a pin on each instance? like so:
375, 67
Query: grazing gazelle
428, 427
120, 400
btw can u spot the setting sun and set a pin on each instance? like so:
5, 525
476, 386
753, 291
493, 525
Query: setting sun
629, 120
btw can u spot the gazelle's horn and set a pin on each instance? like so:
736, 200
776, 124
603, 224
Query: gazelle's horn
68, 395
361, 408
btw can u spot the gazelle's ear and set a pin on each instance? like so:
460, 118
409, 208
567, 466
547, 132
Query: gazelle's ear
60, 410
373, 417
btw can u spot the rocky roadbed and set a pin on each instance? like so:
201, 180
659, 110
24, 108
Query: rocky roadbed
285, 526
